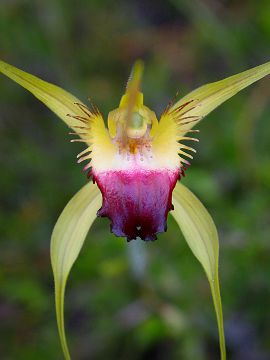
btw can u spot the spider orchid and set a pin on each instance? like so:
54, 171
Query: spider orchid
135, 165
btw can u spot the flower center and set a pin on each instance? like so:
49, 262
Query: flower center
135, 161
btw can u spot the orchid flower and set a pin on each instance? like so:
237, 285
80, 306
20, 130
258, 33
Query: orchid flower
135, 164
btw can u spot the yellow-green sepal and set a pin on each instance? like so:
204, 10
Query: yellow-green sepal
206, 98
201, 235
55, 98
67, 240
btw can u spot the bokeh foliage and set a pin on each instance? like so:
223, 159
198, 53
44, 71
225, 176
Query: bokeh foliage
138, 300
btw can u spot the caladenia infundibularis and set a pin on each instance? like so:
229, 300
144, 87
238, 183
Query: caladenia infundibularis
134, 167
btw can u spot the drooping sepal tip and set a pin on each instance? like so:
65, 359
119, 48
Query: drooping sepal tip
67, 240
201, 235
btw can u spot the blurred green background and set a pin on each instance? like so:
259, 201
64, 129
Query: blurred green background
138, 300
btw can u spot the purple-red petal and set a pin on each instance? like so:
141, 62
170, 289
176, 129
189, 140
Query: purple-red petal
137, 201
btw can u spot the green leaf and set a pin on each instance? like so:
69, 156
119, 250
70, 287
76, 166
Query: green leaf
201, 235
67, 239
206, 98
58, 100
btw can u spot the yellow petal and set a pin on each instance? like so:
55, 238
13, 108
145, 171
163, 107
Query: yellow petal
206, 98
133, 97
201, 235
58, 100
67, 239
